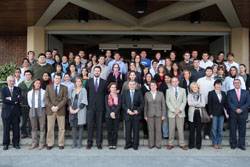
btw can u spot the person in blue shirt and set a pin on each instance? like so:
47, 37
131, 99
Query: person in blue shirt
144, 60
117, 60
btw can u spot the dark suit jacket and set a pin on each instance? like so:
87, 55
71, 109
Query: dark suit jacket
195, 75
183, 84
216, 107
96, 100
116, 108
11, 107
52, 100
248, 82
243, 104
137, 103
119, 81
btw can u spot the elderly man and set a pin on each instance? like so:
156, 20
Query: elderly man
11, 96
176, 102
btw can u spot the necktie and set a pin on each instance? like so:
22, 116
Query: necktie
96, 85
176, 93
11, 91
56, 90
132, 96
238, 94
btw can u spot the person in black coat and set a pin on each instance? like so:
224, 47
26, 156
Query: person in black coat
96, 89
112, 115
117, 77
217, 105
197, 72
132, 67
238, 102
165, 85
186, 80
11, 112
132, 105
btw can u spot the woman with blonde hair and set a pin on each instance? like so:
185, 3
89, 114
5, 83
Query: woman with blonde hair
196, 102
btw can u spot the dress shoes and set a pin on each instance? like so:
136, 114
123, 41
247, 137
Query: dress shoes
242, 148
170, 147
184, 147
61, 147
49, 147
88, 147
135, 147
99, 147
5, 147
127, 147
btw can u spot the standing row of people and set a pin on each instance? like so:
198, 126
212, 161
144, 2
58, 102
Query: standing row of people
158, 102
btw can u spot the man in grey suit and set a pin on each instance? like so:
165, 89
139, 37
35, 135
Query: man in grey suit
176, 102
154, 112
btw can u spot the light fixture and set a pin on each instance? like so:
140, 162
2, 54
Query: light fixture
195, 17
141, 6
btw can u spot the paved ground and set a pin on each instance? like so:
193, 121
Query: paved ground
124, 158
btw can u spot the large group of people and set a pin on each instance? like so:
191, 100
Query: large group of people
159, 95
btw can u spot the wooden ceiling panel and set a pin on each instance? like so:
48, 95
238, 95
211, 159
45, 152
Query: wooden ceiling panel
20, 13
242, 8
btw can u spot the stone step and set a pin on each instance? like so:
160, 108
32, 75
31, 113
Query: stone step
121, 142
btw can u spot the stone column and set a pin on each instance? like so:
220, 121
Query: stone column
36, 39
240, 45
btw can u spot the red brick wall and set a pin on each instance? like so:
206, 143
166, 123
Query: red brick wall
12, 48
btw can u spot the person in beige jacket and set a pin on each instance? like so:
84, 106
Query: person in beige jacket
176, 102
154, 112
56, 97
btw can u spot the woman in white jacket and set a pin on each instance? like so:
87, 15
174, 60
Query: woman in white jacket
196, 102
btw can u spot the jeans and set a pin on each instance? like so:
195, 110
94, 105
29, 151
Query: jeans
217, 129
165, 129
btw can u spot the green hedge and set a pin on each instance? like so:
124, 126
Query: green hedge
5, 71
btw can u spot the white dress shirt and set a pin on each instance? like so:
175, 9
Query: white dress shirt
206, 85
229, 65
228, 83
218, 95
29, 97
153, 94
205, 64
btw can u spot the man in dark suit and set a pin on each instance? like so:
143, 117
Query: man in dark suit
132, 105
96, 88
238, 102
11, 113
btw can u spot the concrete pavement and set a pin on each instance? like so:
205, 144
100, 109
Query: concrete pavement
144, 157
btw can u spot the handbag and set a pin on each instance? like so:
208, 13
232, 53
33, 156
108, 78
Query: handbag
204, 115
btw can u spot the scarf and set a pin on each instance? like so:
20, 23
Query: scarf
116, 74
112, 100
196, 96
28, 83
33, 113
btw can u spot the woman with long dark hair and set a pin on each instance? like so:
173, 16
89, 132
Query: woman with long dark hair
116, 76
